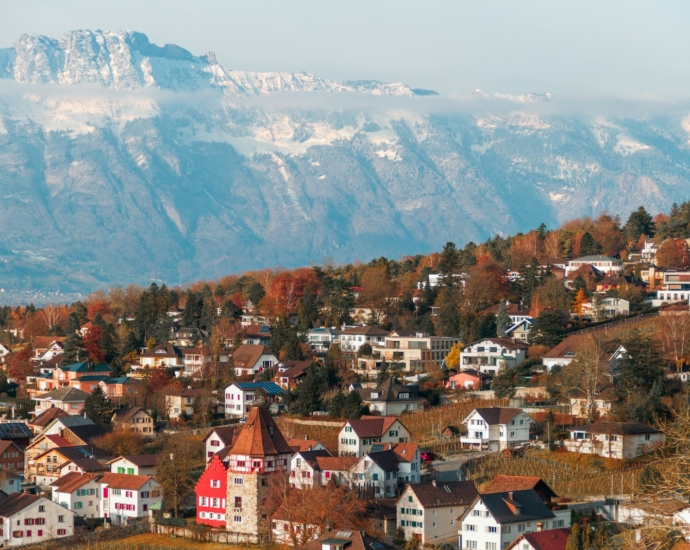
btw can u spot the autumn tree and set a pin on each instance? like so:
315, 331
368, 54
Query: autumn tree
589, 371
453, 357
673, 253
20, 365
580, 300
121, 441
180, 456
674, 335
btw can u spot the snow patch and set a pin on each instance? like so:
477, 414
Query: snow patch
389, 154
322, 177
625, 145
557, 197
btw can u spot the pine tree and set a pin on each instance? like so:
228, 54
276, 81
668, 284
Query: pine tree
546, 330
503, 321
98, 407
71, 349
399, 537
588, 246
575, 539
449, 260
309, 392
503, 383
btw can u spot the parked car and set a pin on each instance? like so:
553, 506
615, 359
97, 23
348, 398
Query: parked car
427, 456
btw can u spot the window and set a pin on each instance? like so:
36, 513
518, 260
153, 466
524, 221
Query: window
521, 527
476, 512
491, 529
61, 519
238, 503
490, 546
237, 519
471, 544
61, 531
77, 505
215, 483
238, 481
41, 508
144, 494
130, 471
470, 527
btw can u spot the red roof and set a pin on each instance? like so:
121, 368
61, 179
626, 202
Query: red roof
260, 436
59, 441
551, 539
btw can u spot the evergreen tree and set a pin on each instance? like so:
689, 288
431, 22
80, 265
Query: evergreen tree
307, 309
641, 367
448, 315
639, 223
503, 321
81, 312
309, 391
72, 325
580, 284
575, 539
98, 407
449, 261
399, 538
335, 407
503, 383
546, 330
588, 246
71, 349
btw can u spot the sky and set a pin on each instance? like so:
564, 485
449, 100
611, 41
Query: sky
617, 48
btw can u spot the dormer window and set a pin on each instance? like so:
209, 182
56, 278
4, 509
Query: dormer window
374, 395
404, 395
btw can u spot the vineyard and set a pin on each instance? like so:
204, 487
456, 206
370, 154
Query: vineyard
567, 480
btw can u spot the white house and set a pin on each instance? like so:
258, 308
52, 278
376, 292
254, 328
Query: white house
249, 359
127, 496
605, 308
622, 440
4, 352
494, 521
70, 400
551, 539
430, 511
180, 402
136, 465
353, 338
392, 398
496, 428
31, 519
217, 439
376, 474
358, 436
321, 338
305, 470
78, 492
240, 397
489, 355
162, 356
603, 264
47, 347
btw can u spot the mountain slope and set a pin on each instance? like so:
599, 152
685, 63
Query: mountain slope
124, 162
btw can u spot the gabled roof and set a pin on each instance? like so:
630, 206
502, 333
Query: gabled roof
64, 395
310, 457
89, 432
79, 452
389, 391
502, 342
90, 465
336, 463
5, 444
247, 355
72, 481
72, 421
497, 415
271, 388
451, 493
125, 415
504, 483
567, 348
163, 350
124, 481
528, 506
348, 538
121, 380
91, 378
257, 331
16, 502
372, 426
294, 369
299, 445
86, 367
551, 539
59, 441
142, 461
44, 342
618, 428
224, 433
260, 436
48, 416
386, 460
183, 392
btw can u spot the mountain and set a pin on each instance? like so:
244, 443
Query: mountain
122, 161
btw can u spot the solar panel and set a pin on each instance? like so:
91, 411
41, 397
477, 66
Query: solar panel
14, 429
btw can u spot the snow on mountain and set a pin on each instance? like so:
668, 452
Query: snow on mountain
523, 98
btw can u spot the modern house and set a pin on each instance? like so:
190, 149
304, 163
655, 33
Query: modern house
70, 400
358, 437
622, 440
353, 338
603, 264
496, 428
490, 355
495, 520
416, 352
240, 397
430, 511
321, 338
392, 398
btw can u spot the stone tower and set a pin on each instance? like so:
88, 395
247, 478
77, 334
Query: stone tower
259, 451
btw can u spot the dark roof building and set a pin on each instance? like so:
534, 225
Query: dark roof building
505, 483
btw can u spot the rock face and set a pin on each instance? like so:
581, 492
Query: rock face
122, 161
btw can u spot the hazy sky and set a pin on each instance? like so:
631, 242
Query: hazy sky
627, 48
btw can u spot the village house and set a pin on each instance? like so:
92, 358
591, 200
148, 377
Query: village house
126, 496
79, 493
306, 444
563, 353
87, 383
38, 424
519, 331
64, 374
186, 337
217, 439
469, 379
358, 436
429, 512
70, 400
257, 335
345, 540
11, 458
250, 359
58, 425
506, 483
211, 493
135, 465
259, 451
305, 470
603, 264
496, 428
622, 282
490, 355
18, 432
495, 520
121, 386
553, 539
353, 338
48, 467
604, 308
516, 312
375, 475
622, 440
287, 531
291, 373
162, 356
32, 519
180, 402
4, 352
580, 405
134, 419
392, 398
321, 338
47, 347
83, 466
240, 397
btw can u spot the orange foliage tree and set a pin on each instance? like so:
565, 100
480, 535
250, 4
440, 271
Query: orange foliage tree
673, 253
20, 365
286, 289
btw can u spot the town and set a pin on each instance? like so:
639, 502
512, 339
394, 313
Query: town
528, 393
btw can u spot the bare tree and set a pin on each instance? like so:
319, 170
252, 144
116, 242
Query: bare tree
674, 334
53, 315
588, 372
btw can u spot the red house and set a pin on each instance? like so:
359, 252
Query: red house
211, 492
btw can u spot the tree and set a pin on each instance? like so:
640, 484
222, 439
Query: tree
639, 223
98, 407
204, 407
449, 260
71, 349
575, 539
641, 366
453, 357
413, 544
674, 335
588, 246
580, 300
503, 383
309, 391
399, 537
546, 330
20, 365
673, 253
589, 372
179, 456
121, 442
503, 321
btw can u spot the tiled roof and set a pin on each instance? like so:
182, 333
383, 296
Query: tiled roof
247, 355
5, 444
298, 445
351, 539
529, 503
451, 493
551, 539
48, 415
260, 436
310, 457
72, 481
386, 460
64, 395
372, 426
124, 481
336, 463
143, 461
59, 441
163, 350
125, 415
294, 369
497, 415
504, 483
44, 342
567, 348
224, 433
89, 432
16, 502
389, 391
89, 465
86, 367
594, 258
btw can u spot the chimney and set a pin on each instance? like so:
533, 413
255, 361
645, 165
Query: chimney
306, 437
510, 495
539, 526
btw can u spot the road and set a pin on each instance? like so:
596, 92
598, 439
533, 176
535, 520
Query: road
448, 469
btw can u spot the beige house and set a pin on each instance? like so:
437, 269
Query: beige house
134, 419
179, 402
430, 511
622, 440
416, 351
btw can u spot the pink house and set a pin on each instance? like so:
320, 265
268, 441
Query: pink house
468, 380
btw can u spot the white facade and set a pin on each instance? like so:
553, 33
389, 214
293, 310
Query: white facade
613, 445
368, 474
40, 521
431, 525
352, 339
122, 465
603, 264
84, 502
496, 435
320, 339
119, 504
491, 354
351, 444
